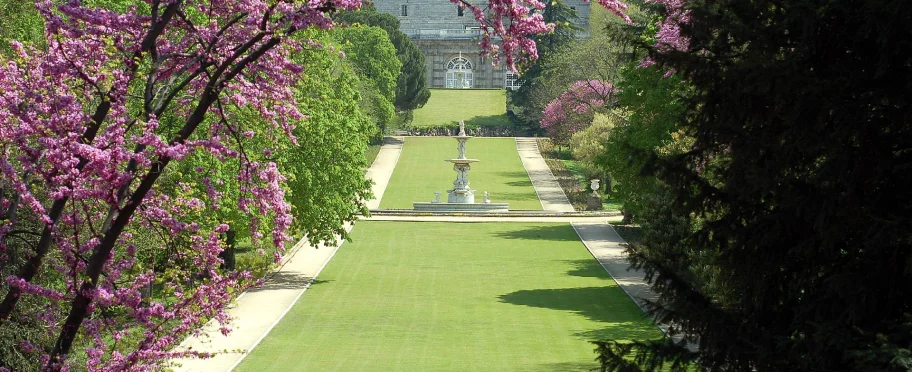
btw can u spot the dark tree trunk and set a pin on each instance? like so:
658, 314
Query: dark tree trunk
227, 256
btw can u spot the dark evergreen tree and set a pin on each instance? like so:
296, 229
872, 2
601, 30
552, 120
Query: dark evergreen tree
411, 88
796, 191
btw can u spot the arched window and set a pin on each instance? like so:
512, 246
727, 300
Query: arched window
459, 73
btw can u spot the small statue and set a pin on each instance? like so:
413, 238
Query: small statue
486, 200
436, 197
462, 132
461, 148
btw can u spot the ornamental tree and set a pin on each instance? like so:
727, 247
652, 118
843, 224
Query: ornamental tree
93, 125
574, 109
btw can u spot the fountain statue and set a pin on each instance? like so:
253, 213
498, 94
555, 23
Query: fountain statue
461, 192
461, 197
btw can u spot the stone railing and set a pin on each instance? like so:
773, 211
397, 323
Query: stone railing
438, 34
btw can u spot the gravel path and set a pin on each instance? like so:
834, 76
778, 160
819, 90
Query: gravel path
546, 186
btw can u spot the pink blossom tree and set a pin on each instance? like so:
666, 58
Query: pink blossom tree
572, 111
89, 127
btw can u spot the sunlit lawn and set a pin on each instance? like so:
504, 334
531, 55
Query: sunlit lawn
449, 106
421, 171
453, 297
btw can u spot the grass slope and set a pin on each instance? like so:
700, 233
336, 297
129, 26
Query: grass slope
449, 106
406, 297
421, 171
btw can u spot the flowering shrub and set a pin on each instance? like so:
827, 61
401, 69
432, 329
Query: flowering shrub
572, 110
93, 130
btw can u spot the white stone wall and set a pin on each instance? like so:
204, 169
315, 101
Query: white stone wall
439, 31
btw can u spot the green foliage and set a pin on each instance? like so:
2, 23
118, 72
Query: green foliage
20, 22
369, 49
588, 145
647, 125
411, 89
788, 186
548, 45
370, 52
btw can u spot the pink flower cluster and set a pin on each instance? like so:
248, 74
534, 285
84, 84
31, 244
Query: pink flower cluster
669, 38
513, 22
573, 109
89, 127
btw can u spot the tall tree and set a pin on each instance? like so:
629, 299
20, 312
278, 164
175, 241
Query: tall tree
411, 86
796, 185
91, 127
372, 55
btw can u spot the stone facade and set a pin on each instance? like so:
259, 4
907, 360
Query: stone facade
449, 36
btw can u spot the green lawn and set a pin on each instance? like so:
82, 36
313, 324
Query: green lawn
449, 106
371, 154
406, 297
421, 171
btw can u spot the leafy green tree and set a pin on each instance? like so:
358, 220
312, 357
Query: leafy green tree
323, 166
795, 188
647, 127
411, 86
369, 50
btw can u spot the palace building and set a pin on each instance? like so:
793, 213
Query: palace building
448, 36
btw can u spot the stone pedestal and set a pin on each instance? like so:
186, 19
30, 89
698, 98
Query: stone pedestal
593, 203
461, 193
454, 196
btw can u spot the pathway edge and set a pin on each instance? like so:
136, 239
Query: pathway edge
550, 193
291, 305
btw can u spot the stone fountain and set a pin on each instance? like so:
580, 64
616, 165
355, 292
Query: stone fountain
461, 197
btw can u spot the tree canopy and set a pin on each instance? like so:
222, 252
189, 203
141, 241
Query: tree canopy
128, 126
411, 86
779, 239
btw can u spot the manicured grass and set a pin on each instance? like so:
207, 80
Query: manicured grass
421, 171
449, 106
453, 297
371, 153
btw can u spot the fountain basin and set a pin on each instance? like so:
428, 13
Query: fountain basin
461, 207
462, 161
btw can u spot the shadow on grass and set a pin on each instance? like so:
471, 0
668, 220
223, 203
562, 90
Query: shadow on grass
501, 120
556, 232
284, 280
519, 183
587, 269
569, 367
609, 306
516, 174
